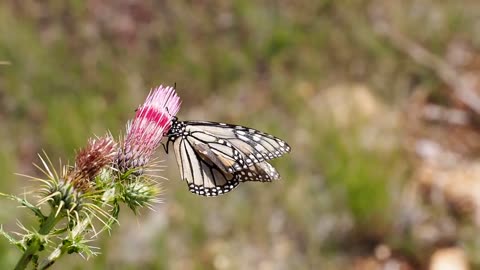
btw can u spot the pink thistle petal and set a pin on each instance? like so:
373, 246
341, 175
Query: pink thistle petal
152, 120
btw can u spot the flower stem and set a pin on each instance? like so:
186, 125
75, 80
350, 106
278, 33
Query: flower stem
65, 245
35, 244
28, 255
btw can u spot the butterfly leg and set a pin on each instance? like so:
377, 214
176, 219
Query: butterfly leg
165, 145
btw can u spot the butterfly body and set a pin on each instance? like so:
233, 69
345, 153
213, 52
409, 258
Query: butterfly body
215, 157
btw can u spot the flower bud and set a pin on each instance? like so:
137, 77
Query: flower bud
139, 194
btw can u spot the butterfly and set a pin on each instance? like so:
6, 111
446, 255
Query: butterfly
214, 158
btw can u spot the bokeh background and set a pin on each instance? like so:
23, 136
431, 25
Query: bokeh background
378, 100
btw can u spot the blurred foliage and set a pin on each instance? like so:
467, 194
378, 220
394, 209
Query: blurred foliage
79, 68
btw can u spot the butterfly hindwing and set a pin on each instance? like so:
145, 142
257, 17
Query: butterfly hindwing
262, 172
203, 178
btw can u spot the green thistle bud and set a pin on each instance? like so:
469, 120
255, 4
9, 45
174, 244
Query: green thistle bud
139, 194
64, 194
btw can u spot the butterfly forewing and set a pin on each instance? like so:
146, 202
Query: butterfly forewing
244, 145
208, 155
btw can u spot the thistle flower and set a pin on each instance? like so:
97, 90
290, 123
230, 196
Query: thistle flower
144, 133
68, 190
90, 160
70, 197
90, 189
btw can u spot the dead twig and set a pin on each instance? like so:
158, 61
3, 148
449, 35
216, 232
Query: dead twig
462, 87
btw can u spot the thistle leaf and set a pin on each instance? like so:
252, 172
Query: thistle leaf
25, 203
12, 240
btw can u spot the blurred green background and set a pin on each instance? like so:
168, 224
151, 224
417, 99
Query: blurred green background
323, 75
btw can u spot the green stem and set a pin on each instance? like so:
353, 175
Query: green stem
35, 245
65, 245
28, 255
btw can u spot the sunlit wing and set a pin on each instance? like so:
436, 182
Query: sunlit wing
261, 171
240, 146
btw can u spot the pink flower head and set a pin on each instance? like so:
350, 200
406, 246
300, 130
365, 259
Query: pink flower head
99, 153
152, 119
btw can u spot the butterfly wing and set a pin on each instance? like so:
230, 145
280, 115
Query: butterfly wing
204, 171
203, 177
258, 172
214, 157
240, 147
262, 171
